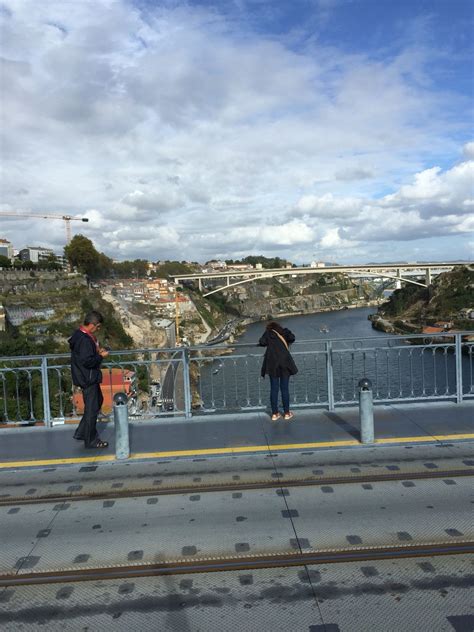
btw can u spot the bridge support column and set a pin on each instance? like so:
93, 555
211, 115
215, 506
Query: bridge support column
398, 282
200, 285
428, 280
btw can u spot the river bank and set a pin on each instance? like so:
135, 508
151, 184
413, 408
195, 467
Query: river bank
325, 310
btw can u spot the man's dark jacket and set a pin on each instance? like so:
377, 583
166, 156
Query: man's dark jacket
277, 361
85, 360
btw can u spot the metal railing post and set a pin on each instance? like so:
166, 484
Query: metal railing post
330, 375
458, 356
45, 387
366, 411
122, 439
187, 385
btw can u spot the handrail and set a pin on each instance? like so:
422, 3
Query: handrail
181, 381
249, 344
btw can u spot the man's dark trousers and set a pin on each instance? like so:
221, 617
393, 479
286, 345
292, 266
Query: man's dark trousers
93, 399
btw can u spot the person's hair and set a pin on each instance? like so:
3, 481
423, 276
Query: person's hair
93, 317
275, 326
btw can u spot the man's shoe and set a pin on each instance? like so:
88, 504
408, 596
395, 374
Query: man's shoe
276, 416
288, 416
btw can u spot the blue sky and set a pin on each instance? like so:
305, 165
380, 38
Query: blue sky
313, 129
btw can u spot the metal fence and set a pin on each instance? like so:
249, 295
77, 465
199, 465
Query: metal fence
185, 381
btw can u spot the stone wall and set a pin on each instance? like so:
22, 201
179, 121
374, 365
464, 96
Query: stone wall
21, 282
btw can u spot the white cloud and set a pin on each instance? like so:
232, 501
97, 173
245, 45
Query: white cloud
468, 150
436, 193
354, 173
427, 185
436, 203
289, 234
333, 241
154, 200
328, 206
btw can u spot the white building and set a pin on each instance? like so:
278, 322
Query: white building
240, 266
216, 265
35, 253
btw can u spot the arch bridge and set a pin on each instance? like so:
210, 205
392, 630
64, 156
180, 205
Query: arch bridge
401, 272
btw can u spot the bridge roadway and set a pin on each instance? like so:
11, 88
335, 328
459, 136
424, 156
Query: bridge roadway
136, 545
369, 267
398, 271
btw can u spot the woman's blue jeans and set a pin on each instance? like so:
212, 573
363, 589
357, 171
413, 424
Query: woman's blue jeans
280, 384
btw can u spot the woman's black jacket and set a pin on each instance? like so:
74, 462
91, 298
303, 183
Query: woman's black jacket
277, 361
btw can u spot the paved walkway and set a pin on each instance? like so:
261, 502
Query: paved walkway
244, 433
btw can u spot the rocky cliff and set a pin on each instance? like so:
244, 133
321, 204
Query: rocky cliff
449, 299
303, 304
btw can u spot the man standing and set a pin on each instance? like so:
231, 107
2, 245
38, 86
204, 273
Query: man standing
86, 358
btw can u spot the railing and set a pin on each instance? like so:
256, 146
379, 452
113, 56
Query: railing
185, 381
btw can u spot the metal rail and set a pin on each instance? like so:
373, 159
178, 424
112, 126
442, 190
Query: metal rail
226, 379
239, 563
233, 486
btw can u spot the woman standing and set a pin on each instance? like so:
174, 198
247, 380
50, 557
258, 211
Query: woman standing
278, 364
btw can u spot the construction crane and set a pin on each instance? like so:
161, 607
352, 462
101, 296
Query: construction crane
67, 219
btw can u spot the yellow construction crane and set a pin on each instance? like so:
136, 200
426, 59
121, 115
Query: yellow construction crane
176, 318
67, 219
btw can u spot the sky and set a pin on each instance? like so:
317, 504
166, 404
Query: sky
333, 130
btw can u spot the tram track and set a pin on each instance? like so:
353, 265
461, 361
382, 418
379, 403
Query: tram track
237, 563
222, 557
233, 486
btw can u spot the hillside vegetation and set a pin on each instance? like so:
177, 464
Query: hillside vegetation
70, 304
450, 298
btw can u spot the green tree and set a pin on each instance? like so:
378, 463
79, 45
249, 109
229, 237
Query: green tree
128, 269
105, 265
82, 255
173, 267
5, 262
49, 263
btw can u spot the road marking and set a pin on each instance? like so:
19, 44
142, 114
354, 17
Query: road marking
235, 450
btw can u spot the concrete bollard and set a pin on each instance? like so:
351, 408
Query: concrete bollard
122, 442
366, 411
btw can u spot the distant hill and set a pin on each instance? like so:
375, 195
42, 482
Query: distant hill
450, 298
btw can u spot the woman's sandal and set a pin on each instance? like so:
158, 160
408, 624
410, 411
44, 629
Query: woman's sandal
99, 444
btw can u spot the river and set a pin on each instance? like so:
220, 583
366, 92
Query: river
346, 323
